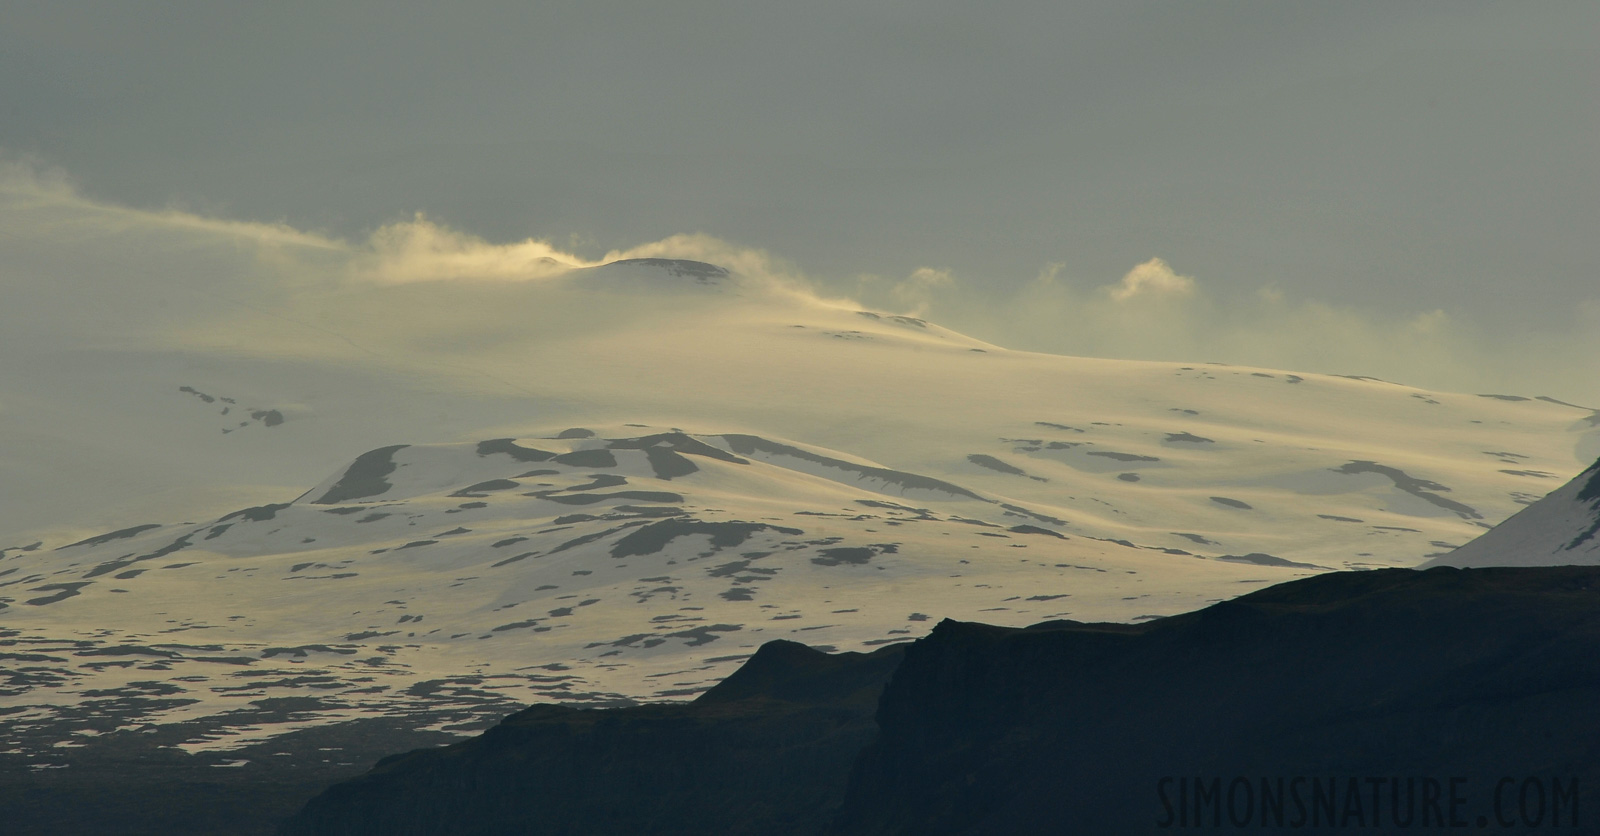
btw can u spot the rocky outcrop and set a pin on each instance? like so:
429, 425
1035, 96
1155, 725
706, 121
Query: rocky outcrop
766, 751
1373, 700
1362, 677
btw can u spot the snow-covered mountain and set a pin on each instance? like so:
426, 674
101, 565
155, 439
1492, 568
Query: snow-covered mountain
1563, 529
612, 484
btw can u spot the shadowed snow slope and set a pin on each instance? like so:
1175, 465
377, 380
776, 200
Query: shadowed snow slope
1561, 529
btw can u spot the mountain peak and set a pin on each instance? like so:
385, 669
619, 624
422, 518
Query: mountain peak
700, 271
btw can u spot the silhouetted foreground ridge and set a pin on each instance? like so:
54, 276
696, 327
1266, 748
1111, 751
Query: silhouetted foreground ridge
1424, 677
768, 750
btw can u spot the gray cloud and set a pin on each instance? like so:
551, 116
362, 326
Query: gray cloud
1406, 156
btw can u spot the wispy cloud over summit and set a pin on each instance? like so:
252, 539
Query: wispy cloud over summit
1152, 279
67, 257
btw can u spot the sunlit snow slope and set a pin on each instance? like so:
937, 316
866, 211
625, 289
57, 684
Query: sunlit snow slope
441, 499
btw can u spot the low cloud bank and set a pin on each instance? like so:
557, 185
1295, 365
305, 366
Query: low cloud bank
1154, 312
67, 261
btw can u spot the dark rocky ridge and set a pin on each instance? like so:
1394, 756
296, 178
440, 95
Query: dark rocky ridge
1062, 727
1478, 674
766, 751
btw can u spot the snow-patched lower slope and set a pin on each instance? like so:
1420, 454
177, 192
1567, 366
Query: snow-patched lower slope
448, 582
444, 579
1560, 530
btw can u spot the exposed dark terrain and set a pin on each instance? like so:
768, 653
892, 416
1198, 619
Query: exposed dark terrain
134, 783
1348, 680
767, 750
1474, 674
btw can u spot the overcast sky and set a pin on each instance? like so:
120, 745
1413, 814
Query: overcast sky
1428, 167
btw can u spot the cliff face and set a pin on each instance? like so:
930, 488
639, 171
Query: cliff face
1423, 676
1362, 699
766, 751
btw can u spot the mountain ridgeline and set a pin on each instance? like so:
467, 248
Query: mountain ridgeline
1392, 695
768, 750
